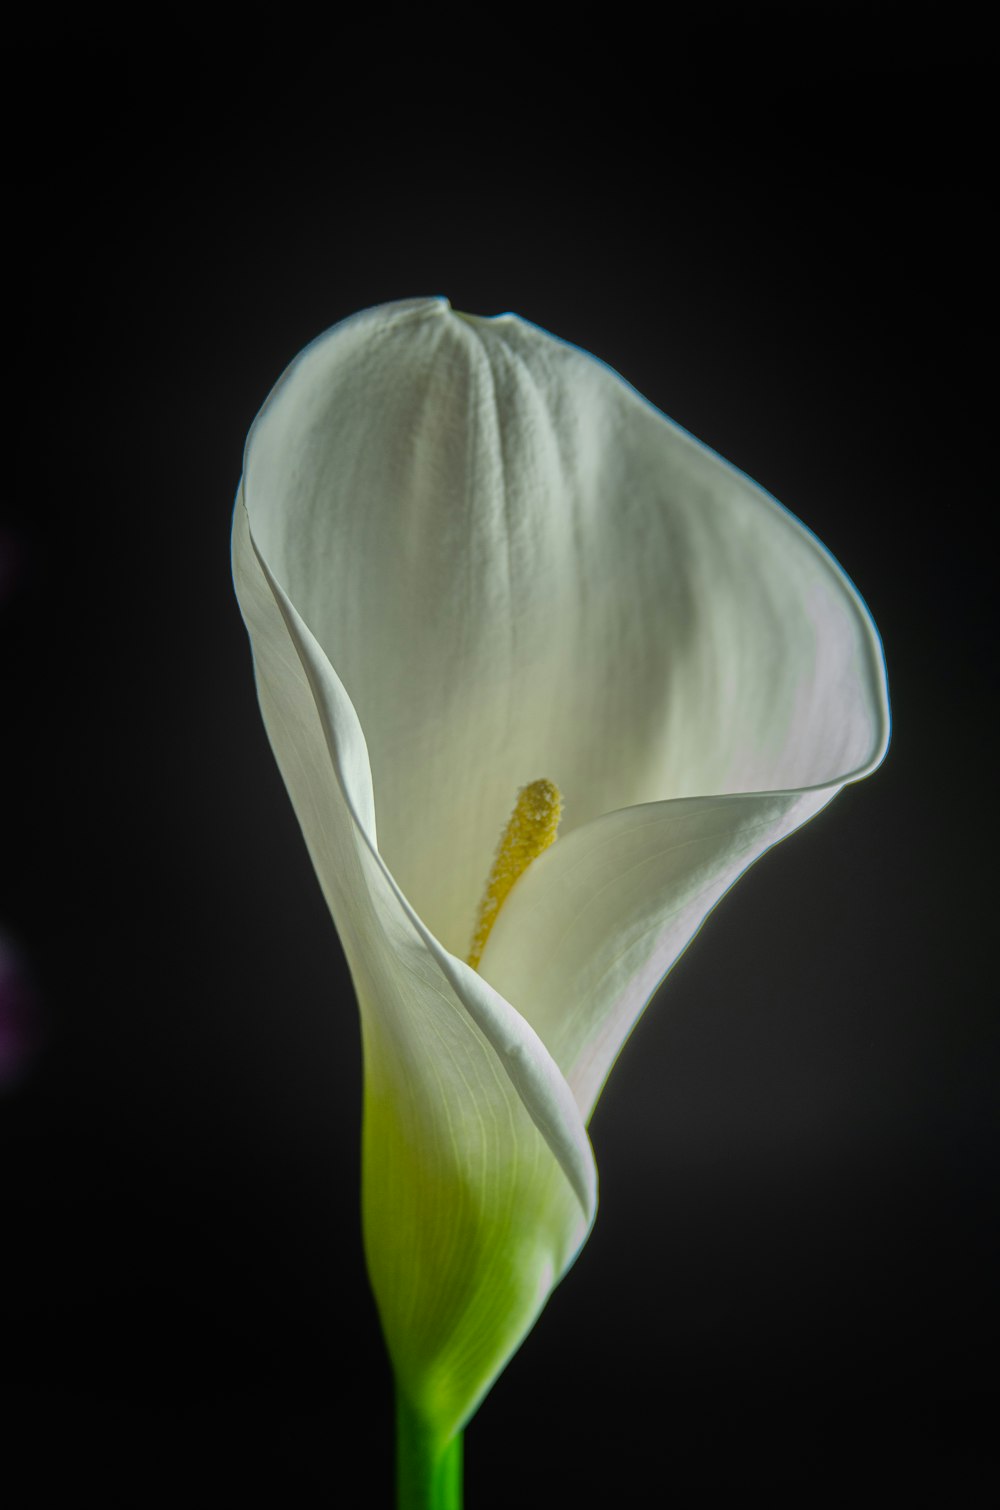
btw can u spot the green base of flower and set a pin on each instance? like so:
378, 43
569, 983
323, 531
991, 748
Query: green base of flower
428, 1471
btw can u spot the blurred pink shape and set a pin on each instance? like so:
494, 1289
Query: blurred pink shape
20, 1019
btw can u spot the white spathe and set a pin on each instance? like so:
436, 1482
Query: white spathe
469, 556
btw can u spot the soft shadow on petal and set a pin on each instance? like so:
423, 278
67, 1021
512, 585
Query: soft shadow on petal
592, 928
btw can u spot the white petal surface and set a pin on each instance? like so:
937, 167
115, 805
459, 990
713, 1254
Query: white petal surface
483, 549
479, 1184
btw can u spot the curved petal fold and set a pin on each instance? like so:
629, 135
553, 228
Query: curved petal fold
479, 1184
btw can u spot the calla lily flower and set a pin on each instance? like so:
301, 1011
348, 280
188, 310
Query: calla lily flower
470, 558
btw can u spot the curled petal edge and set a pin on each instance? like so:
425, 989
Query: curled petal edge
527, 1062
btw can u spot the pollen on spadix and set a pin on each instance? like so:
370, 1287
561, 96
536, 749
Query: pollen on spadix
532, 827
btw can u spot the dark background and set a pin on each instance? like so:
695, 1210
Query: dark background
773, 224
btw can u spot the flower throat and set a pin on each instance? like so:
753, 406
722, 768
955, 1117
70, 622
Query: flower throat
531, 828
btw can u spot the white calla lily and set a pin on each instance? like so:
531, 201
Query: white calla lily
469, 556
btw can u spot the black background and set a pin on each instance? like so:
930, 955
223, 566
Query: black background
773, 224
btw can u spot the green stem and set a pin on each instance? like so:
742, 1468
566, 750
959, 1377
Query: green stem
428, 1471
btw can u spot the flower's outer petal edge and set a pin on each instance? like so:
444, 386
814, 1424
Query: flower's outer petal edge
480, 1185
527, 1061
